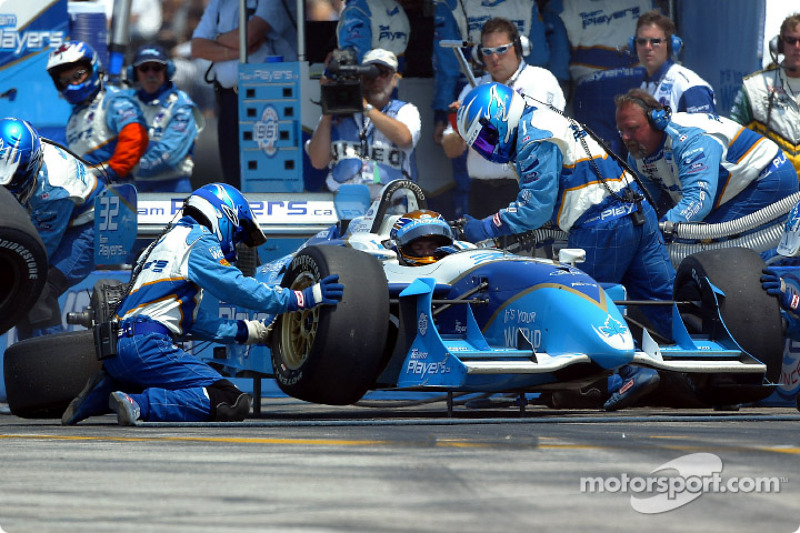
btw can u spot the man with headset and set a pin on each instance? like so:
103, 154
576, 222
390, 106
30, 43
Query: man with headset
494, 185
769, 100
173, 122
655, 43
567, 178
711, 168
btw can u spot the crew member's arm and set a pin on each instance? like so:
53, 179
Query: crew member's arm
125, 116
699, 176
175, 143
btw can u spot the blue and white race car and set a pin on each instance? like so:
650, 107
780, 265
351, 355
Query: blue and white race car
486, 320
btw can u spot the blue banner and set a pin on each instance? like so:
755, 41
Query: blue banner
115, 224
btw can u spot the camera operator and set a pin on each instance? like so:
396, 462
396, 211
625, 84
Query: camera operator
372, 145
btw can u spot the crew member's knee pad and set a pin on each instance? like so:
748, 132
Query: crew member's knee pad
228, 403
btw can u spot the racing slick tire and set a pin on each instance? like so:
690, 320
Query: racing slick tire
43, 374
750, 314
332, 354
23, 262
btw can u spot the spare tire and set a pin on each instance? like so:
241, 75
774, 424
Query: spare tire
23, 262
43, 374
332, 354
750, 314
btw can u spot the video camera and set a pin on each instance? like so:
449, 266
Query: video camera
343, 95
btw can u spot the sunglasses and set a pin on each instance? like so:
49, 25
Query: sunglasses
791, 41
499, 50
655, 42
73, 78
148, 67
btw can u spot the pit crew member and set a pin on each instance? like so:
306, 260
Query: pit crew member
173, 121
711, 168
194, 255
769, 100
372, 147
786, 287
493, 185
59, 193
655, 43
568, 179
106, 126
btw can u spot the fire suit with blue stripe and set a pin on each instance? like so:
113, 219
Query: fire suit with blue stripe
715, 169
558, 164
173, 121
62, 211
166, 298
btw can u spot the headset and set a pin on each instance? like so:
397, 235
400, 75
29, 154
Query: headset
776, 46
132, 76
522, 45
675, 45
658, 117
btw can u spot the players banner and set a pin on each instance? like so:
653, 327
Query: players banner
115, 224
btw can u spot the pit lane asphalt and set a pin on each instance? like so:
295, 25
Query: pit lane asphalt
310, 468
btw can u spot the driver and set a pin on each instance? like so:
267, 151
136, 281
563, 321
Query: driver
421, 237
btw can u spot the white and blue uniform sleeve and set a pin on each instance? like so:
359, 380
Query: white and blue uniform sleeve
207, 269
539, 168
698, 160
445, 64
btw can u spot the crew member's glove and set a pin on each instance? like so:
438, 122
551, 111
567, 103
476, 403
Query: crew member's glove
256, 330
327, 292
477, 230
787, 290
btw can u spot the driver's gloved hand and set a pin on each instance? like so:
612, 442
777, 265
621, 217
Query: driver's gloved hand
786, 289
477, 230
327, 292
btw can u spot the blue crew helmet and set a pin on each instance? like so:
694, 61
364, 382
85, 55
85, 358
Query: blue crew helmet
228, 216
418, 235
67, 56
789, 245
488, 120
20, 157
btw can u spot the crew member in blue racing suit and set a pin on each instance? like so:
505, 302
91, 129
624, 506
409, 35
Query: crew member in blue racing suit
59, 193
786, 287
106, 127
568, 179
173, 121
163, 304
712, 168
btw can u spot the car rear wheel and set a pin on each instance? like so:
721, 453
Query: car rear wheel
43, 374
332, 354
750, 314
23, 262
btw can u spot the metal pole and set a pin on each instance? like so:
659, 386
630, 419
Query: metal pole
457, 46
242, 31
301, 31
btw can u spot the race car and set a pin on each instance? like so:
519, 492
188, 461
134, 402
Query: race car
480, 319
